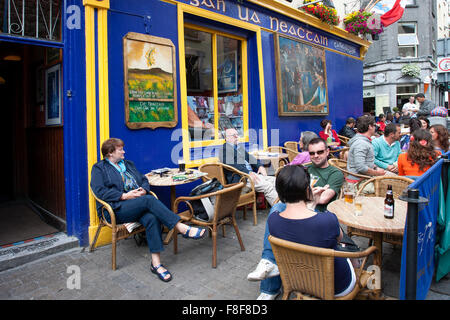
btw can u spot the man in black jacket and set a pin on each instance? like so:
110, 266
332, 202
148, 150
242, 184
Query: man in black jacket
347, 130
237, 157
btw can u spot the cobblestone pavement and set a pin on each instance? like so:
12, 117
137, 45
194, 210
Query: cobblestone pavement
193, 278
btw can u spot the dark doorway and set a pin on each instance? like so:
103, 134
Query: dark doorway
369, 104
32, 190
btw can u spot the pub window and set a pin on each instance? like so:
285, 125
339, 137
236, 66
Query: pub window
214, 83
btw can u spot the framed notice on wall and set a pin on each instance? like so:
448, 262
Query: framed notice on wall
150, 82
53, 97
301, 78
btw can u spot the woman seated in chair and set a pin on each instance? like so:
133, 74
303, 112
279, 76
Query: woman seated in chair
329, 134
420, 156
439, 135
292, 220
303, 157
118, 182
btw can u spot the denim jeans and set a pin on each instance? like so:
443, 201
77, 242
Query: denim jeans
151, 213
270, 285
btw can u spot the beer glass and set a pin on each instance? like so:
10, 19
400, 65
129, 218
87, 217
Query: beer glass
313, 180
181, 165
349, 192
358, 205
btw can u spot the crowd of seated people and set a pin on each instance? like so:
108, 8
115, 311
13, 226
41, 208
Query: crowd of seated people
376, 148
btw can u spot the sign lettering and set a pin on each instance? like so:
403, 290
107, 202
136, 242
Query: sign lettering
278, 23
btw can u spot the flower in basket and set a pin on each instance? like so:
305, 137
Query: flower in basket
362, 22
411, 70
324, 13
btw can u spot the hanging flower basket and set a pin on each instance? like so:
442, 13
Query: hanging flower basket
411, 70
324, 13
362, 23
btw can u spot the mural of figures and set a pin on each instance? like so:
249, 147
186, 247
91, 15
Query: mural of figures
301, 78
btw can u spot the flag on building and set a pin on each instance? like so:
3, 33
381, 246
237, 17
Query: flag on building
390, 10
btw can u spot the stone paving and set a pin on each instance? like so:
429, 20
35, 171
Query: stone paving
50, 278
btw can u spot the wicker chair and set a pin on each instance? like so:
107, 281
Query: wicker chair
216, 170
342, 166
292, 149
289, 152
399, 184
334, 152
309, 271
224, 213
344, 140
118, 231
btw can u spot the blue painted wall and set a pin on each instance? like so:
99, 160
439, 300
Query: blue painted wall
151, 149
75, 146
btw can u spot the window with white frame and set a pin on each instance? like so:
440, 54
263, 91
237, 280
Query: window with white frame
407, 40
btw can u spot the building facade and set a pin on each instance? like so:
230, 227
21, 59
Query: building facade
167, 77
410, 43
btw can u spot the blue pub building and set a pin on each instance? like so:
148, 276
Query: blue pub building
165, 76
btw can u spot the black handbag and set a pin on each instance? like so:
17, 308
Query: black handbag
347, 244
200, 212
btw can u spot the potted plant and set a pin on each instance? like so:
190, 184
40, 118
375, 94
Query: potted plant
324, 13
362, 23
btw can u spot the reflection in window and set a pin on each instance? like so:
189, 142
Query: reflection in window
228, 84
200, 100
200, 89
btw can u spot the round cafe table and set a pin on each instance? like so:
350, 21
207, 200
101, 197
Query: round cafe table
272, 157
166, 180
372, 219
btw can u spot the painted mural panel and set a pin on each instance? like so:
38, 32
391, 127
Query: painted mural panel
150, 91
301, 78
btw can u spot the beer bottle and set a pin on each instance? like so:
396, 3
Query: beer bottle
389, 203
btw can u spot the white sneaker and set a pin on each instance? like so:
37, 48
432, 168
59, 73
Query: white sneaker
266, 296
265, 269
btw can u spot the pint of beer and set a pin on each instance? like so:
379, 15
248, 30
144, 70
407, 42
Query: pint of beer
348, 196
349, 192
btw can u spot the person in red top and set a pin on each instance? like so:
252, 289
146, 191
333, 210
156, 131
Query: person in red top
381, 122
329, 134
420, 155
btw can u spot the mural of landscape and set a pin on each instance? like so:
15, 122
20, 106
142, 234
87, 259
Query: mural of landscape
150, 82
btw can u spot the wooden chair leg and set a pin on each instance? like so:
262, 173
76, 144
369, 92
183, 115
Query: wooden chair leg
175, 241
238, 234
255, 218
244, 215
94, 241
223, 231
214, 239
114, 249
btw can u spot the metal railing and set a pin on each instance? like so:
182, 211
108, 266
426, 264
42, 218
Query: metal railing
40, 19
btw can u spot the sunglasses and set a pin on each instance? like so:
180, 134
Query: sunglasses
320, 152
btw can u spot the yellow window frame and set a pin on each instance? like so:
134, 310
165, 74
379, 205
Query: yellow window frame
187, 144
214, 34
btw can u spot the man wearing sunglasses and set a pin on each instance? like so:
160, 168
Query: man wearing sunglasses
236, 156
330, 179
